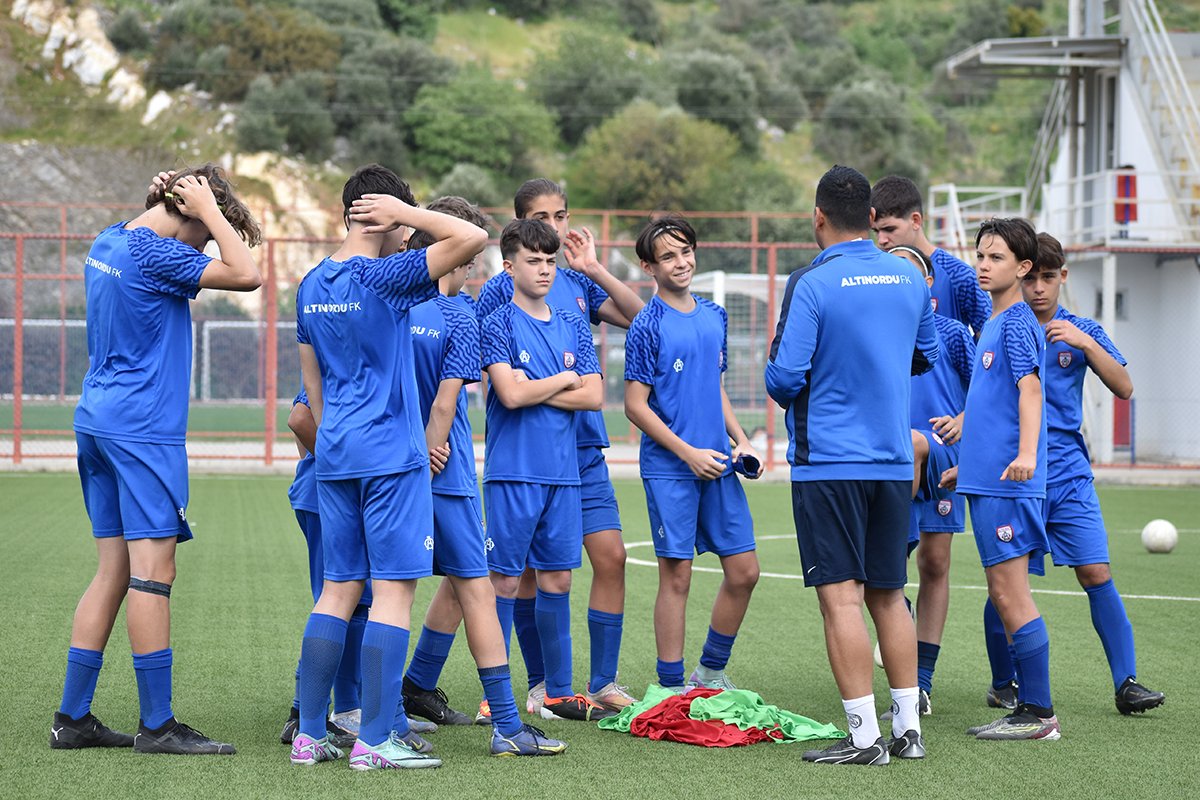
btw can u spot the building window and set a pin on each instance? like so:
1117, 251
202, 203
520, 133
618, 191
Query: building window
1122, 309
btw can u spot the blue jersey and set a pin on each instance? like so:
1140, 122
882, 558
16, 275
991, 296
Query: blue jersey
303, 492
681, 357
139, 334
957, 293
1066, 367
943, 390
855, 325
446, 347
1011, 346
354, 313
535, 444
571, 291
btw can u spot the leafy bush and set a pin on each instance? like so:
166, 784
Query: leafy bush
127, 32
474, 183
718, 88
410, 17
381, 82
381, 143
297, 107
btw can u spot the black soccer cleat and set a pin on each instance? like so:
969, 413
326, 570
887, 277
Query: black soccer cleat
67, 733
1004, 697
291, 727
1133, 698
338, 736
178, 739
844, 752
431, 704
908, 745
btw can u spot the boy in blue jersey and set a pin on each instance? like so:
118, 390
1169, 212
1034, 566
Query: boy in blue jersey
675, 358
845, 387
130, 426
372, 464
542, 369
446, 350
898, 220
589, 289
1074, 523
1002, 468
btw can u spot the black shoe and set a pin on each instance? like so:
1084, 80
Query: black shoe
431, 704
291, 727
338, 736
910, 745
177, 738
1133, 698
844, 752
71, 734
1004, 697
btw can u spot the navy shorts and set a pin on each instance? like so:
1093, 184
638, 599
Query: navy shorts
1007, 528
599, 502
379, 526
310, 526
853, 531
532, 524
1074, 524
688, 517
940, 510
458, 537
134, 489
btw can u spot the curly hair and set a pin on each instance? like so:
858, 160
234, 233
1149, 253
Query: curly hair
232, 208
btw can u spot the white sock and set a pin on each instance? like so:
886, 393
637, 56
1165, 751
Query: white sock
906, 715
860, 716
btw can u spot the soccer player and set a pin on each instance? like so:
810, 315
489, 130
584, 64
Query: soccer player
898, 221
675, 357
373, 484
589, 289
130, 426
1002, 468
1074, 523
542, 369
845, 387
446, 349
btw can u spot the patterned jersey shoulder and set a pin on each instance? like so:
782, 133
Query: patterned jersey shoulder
1093, 329
168, 265
461, 357
957, 343
496, 291
642, 342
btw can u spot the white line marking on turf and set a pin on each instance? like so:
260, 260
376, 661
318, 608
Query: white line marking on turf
641, 562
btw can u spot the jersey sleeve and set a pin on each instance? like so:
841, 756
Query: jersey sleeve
724, 338
401, 280
494, 346
973, 302
301, 398
1022, 346
168, 265
1096, 331
641, 350
795, 341
961, 352
926, 351
461, 359
495, 292
586, 361
595, 297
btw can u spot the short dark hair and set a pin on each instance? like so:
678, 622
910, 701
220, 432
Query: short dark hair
533, 189
671, 225
374, 179
1049, 253
454, 206
1016, 232
528, 234
926, 263
232, 209
844, 197
895, 196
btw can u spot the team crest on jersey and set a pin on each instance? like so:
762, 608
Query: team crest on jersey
1004, 533
488, 545
1064, 359
988, 357
428, 542
944, 507
678, 365
934, 301
524, 356
582, 305
568, 359
661, 533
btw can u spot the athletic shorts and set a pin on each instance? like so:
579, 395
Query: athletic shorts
379, 526
600, 512
941, 510
310, 526
532, 524
1074, 524
691, 516
1007, 528
134, 489
853, 531
458, 538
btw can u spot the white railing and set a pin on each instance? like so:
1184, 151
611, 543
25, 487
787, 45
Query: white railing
1049, 135
1094, 216
954, 212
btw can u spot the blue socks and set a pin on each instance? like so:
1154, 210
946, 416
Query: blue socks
927, 655
996, 640
384, 650
497, 688
1032, 645
553, 613
153, 672
320, 654
83, 670
525, 619
504, 611
346, 682
604, 631
717, 647
433, 648
1116, 634
670, 673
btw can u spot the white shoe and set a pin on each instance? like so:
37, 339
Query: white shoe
536, 699
348, 720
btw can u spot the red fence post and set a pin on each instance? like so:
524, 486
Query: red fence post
18, 347
62, 304
271, 367
772, 268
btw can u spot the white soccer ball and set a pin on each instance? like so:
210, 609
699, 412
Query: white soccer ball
1159, 536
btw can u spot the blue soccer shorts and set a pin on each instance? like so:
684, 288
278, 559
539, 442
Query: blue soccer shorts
689, 517
1007, 528
599, 502
941, 510
853, 530
380, 526
1074, 524
134, 489
532, 524
458, 537
310, 526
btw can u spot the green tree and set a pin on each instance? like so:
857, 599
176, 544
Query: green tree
128, 33
871, 129
379, 142
718, 88
279, 41
297, 107
472, 182
416, 18
381, 82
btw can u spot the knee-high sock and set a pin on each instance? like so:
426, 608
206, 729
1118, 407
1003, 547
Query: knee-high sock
154, 686
604, 633
525, 621
497, 688
927, 656
320, 654
716, 651
504, 612
384, 650
83, 670
670, 673
554, 628
429, 657
1116, 634
1032, 644
996, 640
346, 684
